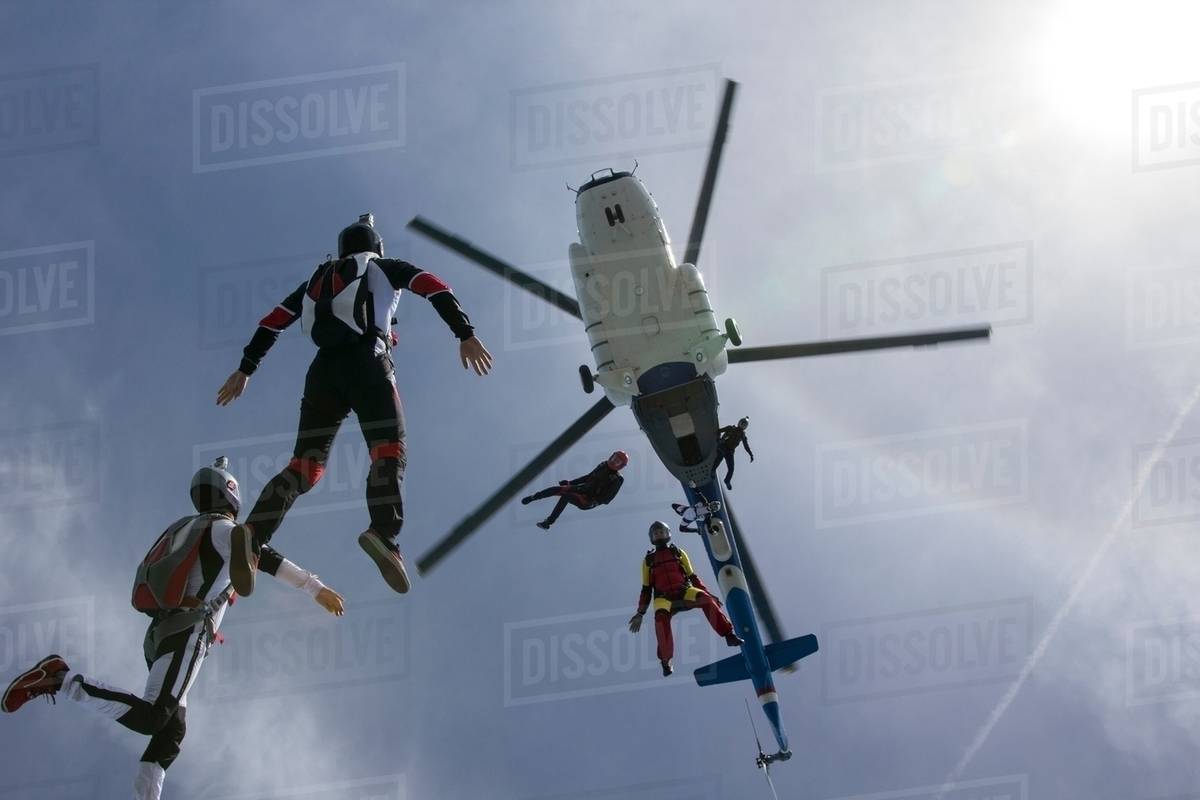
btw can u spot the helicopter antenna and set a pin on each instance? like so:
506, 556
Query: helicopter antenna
572, 188
762, 761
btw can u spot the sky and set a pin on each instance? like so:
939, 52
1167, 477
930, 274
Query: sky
993, 542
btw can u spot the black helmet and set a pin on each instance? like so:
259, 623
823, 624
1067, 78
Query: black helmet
360, 237
744, 423
214, 489
656, 527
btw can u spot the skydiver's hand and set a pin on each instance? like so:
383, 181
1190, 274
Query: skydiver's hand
232, 389
635, 623
331, 601
474, 355
751, 458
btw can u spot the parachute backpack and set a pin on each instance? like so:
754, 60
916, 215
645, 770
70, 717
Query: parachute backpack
336, 305
161, 579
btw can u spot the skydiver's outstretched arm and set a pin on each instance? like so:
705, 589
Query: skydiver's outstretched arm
403, 275
269, 328
746, 444
273, 563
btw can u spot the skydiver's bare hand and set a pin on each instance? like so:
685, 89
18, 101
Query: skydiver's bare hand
635, 623
232, 389
331, 601
475, 356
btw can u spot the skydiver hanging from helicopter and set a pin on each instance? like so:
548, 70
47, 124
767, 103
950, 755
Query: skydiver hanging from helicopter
691, 516
183, 585
728, 439
597, 488
347, 308
669, 580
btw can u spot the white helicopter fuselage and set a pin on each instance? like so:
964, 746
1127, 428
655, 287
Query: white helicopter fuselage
641, 309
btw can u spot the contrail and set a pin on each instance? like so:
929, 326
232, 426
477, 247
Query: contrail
1068, 604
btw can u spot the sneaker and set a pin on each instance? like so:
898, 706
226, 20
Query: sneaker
667, 668
733, 640
544, 525
386, 555
243, 560
42, 680
526, 500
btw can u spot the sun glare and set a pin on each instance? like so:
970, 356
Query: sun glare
1090, 56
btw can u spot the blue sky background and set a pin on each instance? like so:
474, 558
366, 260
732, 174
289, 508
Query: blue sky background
104, 422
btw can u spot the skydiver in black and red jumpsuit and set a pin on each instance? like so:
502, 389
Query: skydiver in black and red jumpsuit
347, 308
598, 487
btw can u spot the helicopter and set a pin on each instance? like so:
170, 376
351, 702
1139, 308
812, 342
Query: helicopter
660, 356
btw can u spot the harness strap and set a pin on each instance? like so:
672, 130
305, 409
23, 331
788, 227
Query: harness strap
179, 621
651, 562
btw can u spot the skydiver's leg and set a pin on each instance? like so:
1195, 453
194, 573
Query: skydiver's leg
567, 495
662, 632
714, 614
728, 454
376, 402
159, 712
148, 783
165, 744
553, 491
662, 629
563, 500
162, 751
171, 676
322, 411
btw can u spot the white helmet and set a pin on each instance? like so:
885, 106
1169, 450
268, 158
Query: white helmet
215, 489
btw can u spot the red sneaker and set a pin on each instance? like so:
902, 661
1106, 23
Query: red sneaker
40, 681
386, 556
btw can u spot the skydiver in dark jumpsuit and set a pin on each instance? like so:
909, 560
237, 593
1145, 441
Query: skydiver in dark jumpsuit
347, 308
598, 487
728, 440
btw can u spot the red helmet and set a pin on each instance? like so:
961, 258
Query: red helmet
618, 459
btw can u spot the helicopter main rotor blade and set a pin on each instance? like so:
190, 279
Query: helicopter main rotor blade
762, 603
700, 220
492, 264
739, 355
473, 521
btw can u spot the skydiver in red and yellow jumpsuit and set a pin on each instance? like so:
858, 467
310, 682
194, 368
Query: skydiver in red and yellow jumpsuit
668, 577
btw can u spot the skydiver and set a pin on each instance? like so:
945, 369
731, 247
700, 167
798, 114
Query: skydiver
347, 308
186, 597
728, 439
690, 516
598, 487
668, 578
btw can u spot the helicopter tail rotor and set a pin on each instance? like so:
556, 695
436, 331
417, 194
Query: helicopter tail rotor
764, 761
